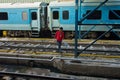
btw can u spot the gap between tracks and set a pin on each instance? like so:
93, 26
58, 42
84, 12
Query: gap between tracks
64, 54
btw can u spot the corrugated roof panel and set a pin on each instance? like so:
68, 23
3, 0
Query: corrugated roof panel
10, 1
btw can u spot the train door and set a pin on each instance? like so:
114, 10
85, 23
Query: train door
34, 22
55, 17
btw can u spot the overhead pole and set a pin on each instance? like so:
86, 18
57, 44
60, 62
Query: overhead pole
76, 27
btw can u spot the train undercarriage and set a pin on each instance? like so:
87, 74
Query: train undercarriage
93, 35
68, 34
16, 33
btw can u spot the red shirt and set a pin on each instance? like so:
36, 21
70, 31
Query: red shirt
59, 35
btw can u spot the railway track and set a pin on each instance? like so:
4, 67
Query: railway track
47, 46
56, 68
20, 66
9, 72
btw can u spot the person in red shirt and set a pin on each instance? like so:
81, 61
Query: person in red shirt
59, 36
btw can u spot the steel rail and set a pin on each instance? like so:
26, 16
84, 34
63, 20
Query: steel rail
32, 76
47, 42
55, 58
64, 49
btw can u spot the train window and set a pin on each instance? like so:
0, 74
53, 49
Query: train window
95, 15
24, 16
34, 15
115, 14
65, 15
3, 16
55, 15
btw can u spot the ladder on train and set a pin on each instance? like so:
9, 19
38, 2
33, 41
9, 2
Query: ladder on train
35, 32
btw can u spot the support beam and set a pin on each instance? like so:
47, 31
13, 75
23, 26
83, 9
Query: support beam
80, 22
76, 26
94, 41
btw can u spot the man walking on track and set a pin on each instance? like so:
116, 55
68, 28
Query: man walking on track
59, 36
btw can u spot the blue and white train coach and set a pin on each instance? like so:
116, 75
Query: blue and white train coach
63, 14
22, 19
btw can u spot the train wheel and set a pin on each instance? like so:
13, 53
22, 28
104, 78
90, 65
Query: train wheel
1, 33
107, 35
66, 35
93, 35
69, 35
29, 33
11, 33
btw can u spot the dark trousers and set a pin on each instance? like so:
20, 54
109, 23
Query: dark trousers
59, 43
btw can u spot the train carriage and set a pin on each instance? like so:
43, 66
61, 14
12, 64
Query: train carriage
22, 19
62, 13
39, 19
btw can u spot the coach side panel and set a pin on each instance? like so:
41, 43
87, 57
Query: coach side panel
14, 19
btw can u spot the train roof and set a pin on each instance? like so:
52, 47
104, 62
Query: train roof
21, 5
85, 3
62, 3
99, 0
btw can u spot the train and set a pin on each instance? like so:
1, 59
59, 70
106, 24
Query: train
40, 19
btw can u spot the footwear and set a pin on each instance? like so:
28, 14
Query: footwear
61, 54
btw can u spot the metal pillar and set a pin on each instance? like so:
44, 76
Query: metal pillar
76, 27
80, 11
80, 23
